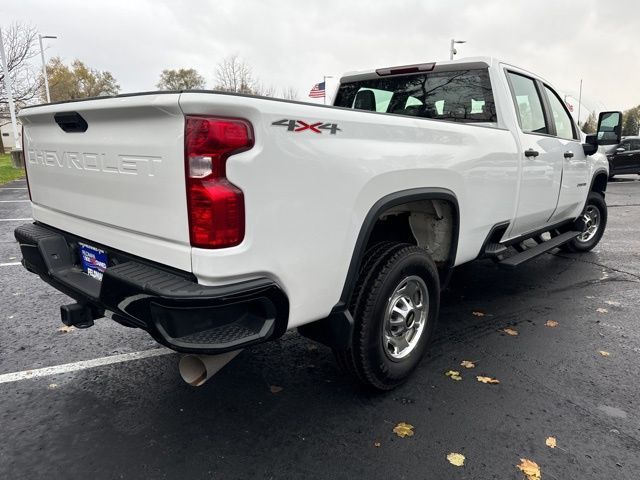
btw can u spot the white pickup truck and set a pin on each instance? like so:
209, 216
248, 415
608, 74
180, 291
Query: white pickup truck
216, 221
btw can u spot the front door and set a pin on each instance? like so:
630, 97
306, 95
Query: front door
542, 158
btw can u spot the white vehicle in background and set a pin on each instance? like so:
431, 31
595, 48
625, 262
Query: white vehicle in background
217, 221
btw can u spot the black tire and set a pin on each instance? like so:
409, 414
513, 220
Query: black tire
383, 272
596, 201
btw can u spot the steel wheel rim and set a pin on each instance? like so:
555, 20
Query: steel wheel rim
591, 217
405, 317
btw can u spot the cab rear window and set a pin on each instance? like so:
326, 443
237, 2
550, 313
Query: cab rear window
459, 96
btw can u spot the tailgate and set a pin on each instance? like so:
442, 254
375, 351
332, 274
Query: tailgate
112, 170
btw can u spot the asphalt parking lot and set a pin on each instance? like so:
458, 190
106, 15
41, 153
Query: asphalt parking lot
283, 410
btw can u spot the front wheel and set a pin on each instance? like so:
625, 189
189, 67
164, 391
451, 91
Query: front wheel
395, 307
595, 221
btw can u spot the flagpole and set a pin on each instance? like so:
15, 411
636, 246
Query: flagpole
324, 98
324, 80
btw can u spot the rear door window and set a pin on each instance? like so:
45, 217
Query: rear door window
459, 96
528, 104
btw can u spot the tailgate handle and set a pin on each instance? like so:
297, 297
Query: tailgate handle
71, 122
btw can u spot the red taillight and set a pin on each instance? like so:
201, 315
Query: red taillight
26, 160
216, 206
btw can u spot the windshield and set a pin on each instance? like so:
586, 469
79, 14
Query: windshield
459, 96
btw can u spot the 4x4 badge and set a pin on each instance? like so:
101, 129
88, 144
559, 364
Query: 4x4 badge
301, 126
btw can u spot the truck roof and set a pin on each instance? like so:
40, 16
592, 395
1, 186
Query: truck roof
445, 65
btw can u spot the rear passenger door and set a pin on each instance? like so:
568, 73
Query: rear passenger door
542, 156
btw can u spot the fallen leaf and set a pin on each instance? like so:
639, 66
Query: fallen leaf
376, 444
455, 375
52, 386
603, 353
530, 469
478, 314
602, 310
403, 430
551, 324
66, 328
551, 442
456, 459
613, 303
510, 331
467, 364
489, 380
275, 389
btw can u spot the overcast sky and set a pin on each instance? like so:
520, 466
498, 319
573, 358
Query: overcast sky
295, 43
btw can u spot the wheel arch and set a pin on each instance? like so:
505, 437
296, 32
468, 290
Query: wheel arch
599, 182
336, 330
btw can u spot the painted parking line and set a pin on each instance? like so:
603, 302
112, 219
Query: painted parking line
10, 264
83, 365
13, 188
28, 219
14, 201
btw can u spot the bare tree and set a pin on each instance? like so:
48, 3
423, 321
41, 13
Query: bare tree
289, 93
234, 75
20, 43
263, 91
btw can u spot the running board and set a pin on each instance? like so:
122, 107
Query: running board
539, 249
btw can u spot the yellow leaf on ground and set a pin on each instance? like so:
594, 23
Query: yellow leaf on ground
376, 444
551, 442
52, 386
612, 302
403, 430
478, 314
489, 380
456, 459
455, 375
510, 331
551, 324
467, 364
603, 353
275, 389
602, 310
530, 469
66, 328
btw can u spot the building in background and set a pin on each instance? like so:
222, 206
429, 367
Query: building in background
6, 133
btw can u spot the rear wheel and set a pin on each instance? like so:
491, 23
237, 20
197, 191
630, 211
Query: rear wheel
395, 306
595, 222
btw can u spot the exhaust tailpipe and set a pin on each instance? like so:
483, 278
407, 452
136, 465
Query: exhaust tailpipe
197, 369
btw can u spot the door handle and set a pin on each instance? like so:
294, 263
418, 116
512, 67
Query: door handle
531, 153
568, 154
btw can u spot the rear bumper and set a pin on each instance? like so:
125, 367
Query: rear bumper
169, 304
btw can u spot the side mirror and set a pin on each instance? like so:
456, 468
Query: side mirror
591, 144
609, 128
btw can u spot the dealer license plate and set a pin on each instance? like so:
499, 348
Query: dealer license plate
94, 260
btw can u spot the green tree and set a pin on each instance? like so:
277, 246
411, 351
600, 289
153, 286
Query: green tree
590, 124
631, 121
181, 79
78, 81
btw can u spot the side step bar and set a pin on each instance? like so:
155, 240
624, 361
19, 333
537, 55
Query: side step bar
539, 249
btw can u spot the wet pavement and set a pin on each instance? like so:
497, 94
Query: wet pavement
137, 419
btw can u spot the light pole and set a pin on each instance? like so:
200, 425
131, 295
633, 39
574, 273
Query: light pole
452, 48
44, 66
324, 80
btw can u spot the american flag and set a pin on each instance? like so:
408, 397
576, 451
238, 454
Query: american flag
317, 91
